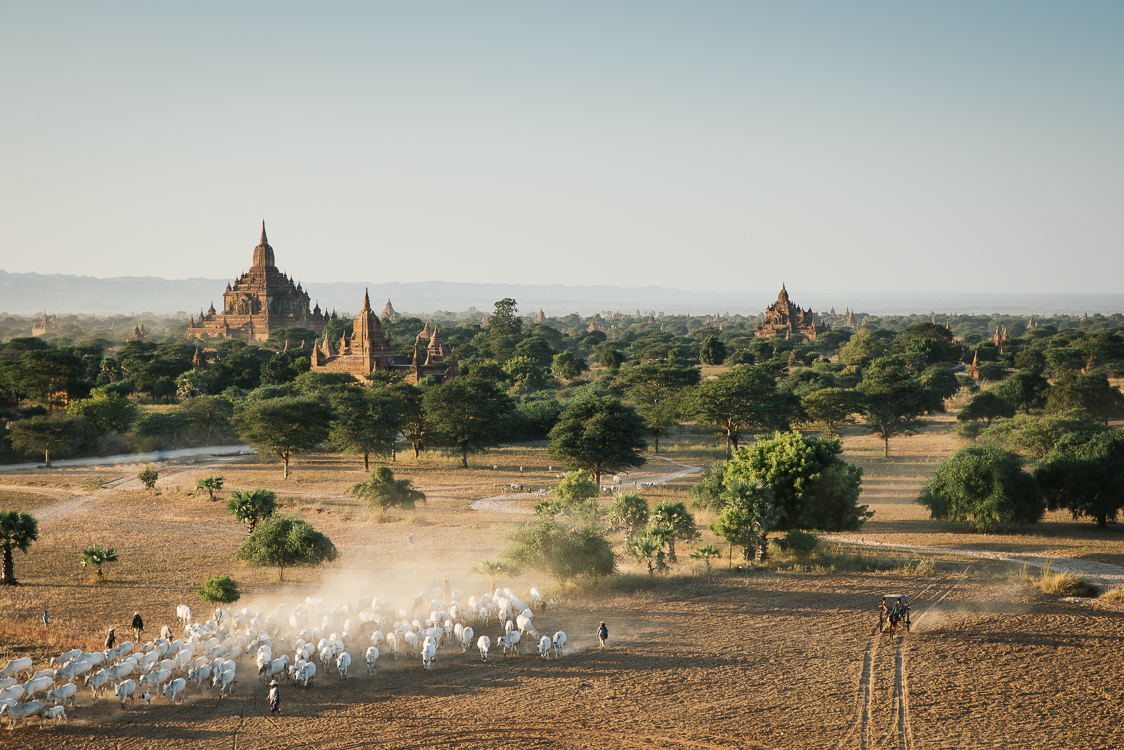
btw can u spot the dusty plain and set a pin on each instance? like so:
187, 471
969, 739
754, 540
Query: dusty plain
765, 659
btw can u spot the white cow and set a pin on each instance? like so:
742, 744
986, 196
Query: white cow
61, 695
126, 691
174, 688
16, 666
38, 685
559, 642
466, 639
544, 646
306, 674
483, 644
372, 657
429, 650
199, 675
20, 712
343, 661
57, 714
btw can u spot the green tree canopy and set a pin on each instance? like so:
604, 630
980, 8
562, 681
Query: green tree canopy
567, 366
107, 411
17, 532
504, 321
831, 408
251, 506
1085, 475
749, 514
219, 590
813, 487
382, 491
862, 349
675, 523
1090, 395
1024, 389
285, 541
600, 434
656, 387
416, 428
57, 433
1035, 437
894, 402
468, 413
576, 487
983, 485
986, 406
366, 422
712, 351
629, 511
561, 552
283, 426
744, 399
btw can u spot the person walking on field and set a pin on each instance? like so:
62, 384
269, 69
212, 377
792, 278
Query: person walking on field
110, 640
138, 626
274, 699
602, 634
46, 619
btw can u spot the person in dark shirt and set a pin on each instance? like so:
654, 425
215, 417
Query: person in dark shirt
110, 640
138, 626
602, 634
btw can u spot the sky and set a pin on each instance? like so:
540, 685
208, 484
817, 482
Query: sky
953, 147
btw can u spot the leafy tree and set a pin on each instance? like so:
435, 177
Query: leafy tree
503, 321
712, 351
599, 434
56, 433
813, 487
1085, 474
168, 428
1090, 395
676, 523
537, 349
561, 552
283, 426
210, 485
706, 554
942, 380
285, 541
894, 402
17, 531
98, 557
576, 487
527, 374
655, 387
708, 492
416, 427
208, 413
629, 511
648, 549
53, 377
148, 476
987, 406
567, 366
108, 411
284, 367
612, 359
744, 399
1024, 389
934, 342
468, 413
252, 506
366, 422
382, 491
862, 349
1037, 436
219, 590
831, 408
983, 486
495, 571
749, 515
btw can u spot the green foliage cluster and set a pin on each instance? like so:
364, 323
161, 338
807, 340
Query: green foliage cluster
252, 506
560, 551
18, 530
97, 557
383, 492
148, 477
284, 542
983, 486
219, 590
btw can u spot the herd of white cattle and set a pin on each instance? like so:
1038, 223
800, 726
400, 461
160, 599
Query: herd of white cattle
287, 643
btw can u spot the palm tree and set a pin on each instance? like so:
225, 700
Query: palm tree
494, 570
629, 512
17, 531
98, 556
676, 522
647, 548
251, 506
210, 485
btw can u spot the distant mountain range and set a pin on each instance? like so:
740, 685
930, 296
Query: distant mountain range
33, 293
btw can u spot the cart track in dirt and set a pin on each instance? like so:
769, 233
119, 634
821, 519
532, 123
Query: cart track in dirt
861, 732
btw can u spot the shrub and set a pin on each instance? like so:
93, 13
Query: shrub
1113, 595
801, 542
219, 590
1065, 584
148, 476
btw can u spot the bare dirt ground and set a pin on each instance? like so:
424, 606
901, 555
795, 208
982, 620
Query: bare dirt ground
759, 660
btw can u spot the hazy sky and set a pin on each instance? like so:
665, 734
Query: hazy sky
952, 146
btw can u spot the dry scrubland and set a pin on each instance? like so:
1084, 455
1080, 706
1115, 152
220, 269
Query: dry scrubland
767, 659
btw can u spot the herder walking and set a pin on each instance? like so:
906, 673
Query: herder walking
602, 634
138, 626
274, 699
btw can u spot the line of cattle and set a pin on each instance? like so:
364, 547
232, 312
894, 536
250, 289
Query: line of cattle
210, 652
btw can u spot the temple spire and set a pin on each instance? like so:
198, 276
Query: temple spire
264, 241
366, 301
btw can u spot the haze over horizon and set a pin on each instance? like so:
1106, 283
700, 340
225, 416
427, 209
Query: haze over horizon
870, 147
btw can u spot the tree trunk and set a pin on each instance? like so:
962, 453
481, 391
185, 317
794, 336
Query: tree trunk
671, 551
286, 457
748, 550
1102, 521
886, 447
464, 457
656, 441
47, 457
597, 479
764, 546
9, 578
366, 461
417, 451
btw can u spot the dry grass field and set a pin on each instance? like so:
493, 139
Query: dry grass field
780, 657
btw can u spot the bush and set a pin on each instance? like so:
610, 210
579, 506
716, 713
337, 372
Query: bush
968, 430
148, 476
1065, 584
219, 590
801, 542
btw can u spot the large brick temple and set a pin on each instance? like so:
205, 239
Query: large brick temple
262, 300
782, 318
